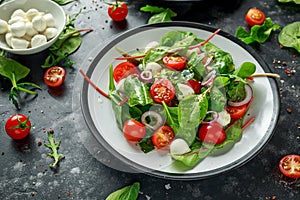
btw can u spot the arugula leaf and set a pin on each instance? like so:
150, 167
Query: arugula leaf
130, 192
289, 36
160, 14
258, 33
54, 146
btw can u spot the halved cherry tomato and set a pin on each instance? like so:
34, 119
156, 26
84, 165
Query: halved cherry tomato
117, 11
123, 70
212, 133
289, 166
195, 84
175, 62
134, 130
54, 76
255, 16
18, 126
162, 90
236, 112
163, 136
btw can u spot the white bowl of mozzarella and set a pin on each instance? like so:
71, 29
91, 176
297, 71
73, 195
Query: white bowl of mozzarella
30, 26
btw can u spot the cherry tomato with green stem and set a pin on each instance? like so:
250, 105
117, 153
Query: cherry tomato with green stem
254, 16
18, 126
117, 11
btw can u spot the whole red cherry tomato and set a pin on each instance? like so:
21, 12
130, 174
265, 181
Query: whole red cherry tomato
18, 126
54, 76
255, 16
212, 133
117, 11
134, 130
236, 112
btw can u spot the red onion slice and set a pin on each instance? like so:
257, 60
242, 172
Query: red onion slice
209, 78
249, 95
152, 119
146, 76
215, 115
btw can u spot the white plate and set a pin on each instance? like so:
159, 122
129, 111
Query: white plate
100, 118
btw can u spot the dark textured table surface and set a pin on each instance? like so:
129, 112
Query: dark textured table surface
85, 174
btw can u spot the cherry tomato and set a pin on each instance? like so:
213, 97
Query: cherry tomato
54, 76
236, 112
174, 62
195, 84
123, 70
163, 136
18, 126
212, 133
289, 166
134, 130
117, 11
255, 16
162, 90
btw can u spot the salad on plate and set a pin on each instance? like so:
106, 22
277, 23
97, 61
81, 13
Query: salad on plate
183, 95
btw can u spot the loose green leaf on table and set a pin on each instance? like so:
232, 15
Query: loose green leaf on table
290, 36
159, 14
54, 146
63, 2
129, 192
258, 33
288, 1
15, 71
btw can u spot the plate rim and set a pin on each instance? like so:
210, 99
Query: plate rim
178, 176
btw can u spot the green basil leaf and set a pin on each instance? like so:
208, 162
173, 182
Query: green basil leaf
130, 192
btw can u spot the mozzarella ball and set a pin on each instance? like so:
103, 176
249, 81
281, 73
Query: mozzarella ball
154, 67
8, 37
18, 13
179, 146
16, 19
38, 40
19, 43
39, 23
18, 29
3, 26
184, 90
50, 33
30, 30
27, 37
50, 21
151, 45
31, 13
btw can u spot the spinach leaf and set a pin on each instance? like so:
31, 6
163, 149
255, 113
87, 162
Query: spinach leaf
171, 116
137, 92
146, 144
235, 92
15, 71
177, 38
245, 70
159, 14
287, 1
258, 33
130, 192
216, 100
195, 65
290, 36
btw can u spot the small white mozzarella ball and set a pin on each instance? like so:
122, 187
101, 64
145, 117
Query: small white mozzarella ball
120, 86
19, 43
179, 146
30, 30
154, 67
27, 37
31, 13
16, 19
224, 118
189, 52
18, 13
50, 32
39, 23
50, 21
8, 37
183, 91
151, 45
38, 40
18, 29
3, 26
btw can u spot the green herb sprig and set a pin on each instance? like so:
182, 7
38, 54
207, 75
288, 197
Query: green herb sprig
54, 146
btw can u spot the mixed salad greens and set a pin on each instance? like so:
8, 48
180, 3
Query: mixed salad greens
182, 94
